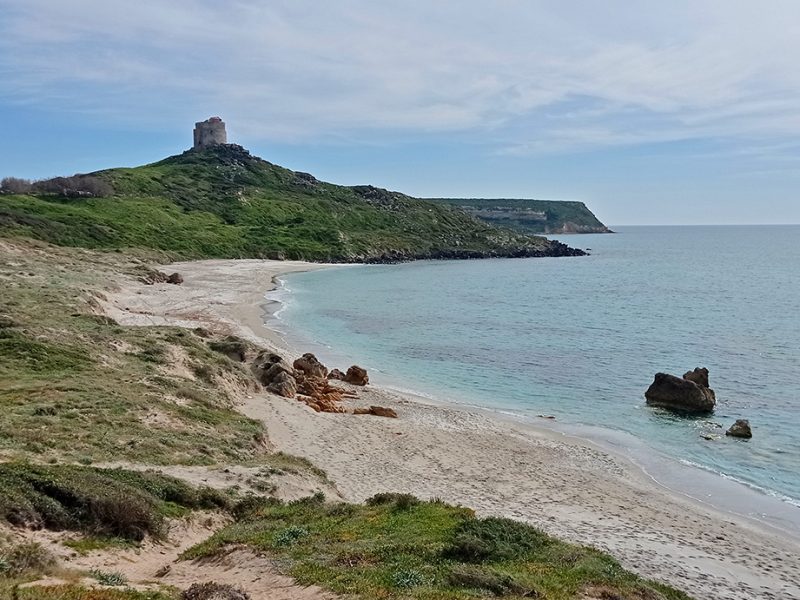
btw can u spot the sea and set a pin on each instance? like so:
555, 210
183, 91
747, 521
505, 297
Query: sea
581, 338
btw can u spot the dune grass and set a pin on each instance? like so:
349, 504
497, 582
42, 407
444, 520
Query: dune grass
112, 503
77, 387
396, 546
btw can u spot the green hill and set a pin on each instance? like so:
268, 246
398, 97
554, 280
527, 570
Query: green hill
531, 216
223, 202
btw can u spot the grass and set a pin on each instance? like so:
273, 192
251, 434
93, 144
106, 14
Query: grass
224, 203
396, 546
12, 591
77, 387
110, 503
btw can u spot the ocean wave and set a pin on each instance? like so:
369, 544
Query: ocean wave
753, 486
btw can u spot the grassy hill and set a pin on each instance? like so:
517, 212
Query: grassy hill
531, 216
223, 202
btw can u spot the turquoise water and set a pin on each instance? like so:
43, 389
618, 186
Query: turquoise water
581, 338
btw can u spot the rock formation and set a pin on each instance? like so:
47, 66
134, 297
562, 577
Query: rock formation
336, 374
682, 395
699, 376
275, 374
310, 366
378, 411
356, 375
740, 429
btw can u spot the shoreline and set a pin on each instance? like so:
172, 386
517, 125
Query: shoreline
710, 488
569, 486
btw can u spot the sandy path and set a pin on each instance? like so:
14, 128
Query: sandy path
157, 564
567, 487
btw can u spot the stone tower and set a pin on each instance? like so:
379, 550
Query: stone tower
210, 132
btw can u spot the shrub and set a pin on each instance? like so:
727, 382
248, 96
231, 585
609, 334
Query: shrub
288, 536
499, 584
109, 502
400, 501
233, 347
408, 578
109, 578
213, 591
494, 539
15, 185
128, 516
25, 559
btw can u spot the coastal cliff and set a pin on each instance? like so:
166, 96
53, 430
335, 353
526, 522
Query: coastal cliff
223, 202
532, 216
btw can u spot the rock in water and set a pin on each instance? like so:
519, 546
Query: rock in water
175, 279
680, 395
699, 376
740, 429
356, 375
310, 366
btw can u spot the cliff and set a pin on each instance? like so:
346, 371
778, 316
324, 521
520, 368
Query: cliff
531, 216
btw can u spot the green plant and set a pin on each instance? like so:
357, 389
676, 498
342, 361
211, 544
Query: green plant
213, 591
288, 536
408, 578
25, 559
108, 502
377, 551
109, 578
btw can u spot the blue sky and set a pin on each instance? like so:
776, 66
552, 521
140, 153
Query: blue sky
651, 112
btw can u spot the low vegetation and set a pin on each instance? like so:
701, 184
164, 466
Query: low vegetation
113, 503
224, 203
396, 546
75, 386
76, 592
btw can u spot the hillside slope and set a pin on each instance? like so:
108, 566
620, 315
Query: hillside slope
531, 216
223, 202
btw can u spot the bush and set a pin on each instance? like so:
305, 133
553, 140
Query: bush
77, 186
25, 559
15, 185
400, 501
499, 584
108, 502
233, 347
408, 578
494, 539
109, 578
213, 591
288, 536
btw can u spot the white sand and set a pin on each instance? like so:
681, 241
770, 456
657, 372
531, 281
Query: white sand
566, 486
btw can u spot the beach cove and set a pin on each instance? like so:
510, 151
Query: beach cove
569, 487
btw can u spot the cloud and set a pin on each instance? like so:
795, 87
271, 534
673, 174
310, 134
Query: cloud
521, 76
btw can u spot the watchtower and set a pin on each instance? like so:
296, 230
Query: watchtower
210, 132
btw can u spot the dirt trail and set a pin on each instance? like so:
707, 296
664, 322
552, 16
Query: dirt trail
157, 564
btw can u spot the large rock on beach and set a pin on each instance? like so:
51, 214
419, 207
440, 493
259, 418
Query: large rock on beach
680, 395
336, 374
356, 375
740, 429
310, 366
284, 385
274, 373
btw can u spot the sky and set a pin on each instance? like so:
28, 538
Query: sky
651, 112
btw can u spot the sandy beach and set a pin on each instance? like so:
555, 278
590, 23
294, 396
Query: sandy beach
566, 486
